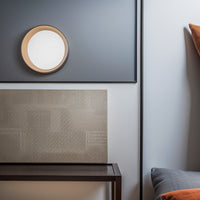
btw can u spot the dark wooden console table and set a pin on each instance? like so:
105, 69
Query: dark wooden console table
63, 172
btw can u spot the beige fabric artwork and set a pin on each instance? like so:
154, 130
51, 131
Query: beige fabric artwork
53, 126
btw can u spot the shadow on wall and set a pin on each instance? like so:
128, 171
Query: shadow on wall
148, 194
134, 193
193, 73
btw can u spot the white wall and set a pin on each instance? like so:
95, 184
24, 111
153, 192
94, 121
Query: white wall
123, 137
171, 87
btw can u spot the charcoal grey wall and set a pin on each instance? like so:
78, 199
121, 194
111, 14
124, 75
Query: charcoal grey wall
171, 88
101, 37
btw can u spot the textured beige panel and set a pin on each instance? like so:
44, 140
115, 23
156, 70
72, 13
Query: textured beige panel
53, 126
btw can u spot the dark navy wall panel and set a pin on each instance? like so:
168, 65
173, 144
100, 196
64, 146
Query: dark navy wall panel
101, 36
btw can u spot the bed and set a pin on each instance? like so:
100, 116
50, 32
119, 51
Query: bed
168, 180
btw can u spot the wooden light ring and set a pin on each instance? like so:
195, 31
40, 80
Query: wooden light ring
24, 48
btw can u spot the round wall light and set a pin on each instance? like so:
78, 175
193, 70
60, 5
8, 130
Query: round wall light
44, 49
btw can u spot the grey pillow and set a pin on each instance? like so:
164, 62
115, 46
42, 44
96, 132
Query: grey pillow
167, 180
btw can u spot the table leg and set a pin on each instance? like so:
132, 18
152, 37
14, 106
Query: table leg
113, 190
118, 188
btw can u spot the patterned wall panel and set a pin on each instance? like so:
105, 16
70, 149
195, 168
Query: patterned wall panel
53, 126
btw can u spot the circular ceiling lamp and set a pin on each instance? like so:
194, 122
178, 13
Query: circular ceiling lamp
44, 49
